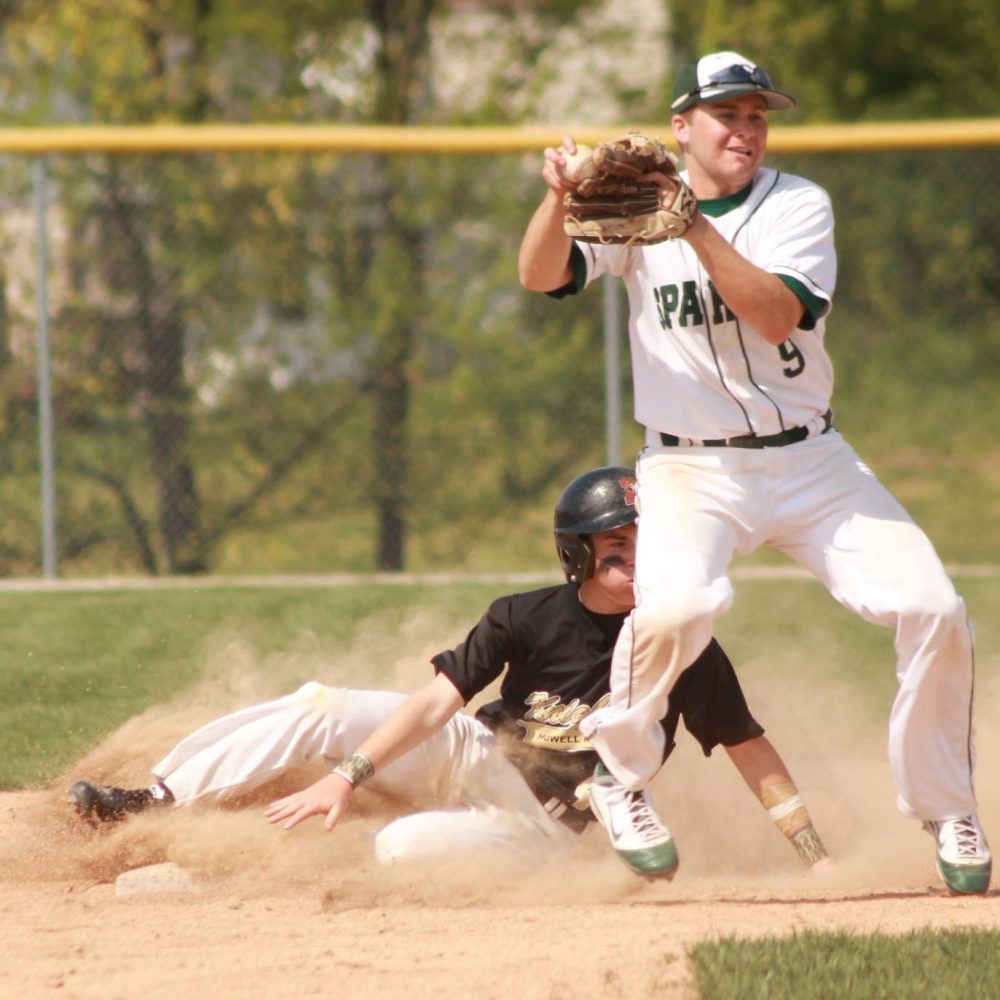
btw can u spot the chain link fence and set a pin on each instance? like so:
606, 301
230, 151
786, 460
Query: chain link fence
320, 362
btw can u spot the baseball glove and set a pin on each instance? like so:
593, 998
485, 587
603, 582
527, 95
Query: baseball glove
611, 205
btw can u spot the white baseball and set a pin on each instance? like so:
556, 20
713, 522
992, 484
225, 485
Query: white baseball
579, 165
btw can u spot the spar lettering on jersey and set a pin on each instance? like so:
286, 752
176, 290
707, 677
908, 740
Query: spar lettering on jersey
683, 305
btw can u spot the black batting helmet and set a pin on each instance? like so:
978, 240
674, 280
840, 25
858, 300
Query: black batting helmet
598, 500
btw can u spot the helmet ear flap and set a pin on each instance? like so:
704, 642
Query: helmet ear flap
576, 555
590, 564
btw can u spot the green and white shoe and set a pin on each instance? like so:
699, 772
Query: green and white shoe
638, 835
963, 856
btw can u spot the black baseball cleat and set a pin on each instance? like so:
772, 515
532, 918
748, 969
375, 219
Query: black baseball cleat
109, 804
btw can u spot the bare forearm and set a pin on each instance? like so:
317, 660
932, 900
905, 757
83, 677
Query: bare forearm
759, 764
420, 716
760, 299
767, 777
543, 263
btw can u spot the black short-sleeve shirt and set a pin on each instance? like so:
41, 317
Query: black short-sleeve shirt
557, 657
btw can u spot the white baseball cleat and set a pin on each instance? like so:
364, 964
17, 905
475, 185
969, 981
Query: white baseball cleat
963, 856
638, 836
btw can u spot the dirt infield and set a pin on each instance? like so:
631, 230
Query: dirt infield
305, 913
74, 938
302, 913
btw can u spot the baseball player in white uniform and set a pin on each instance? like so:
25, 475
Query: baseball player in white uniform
733, 385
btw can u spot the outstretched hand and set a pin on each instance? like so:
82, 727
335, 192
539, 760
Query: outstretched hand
329, 795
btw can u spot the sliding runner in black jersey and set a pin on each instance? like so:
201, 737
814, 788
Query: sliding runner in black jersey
519, 773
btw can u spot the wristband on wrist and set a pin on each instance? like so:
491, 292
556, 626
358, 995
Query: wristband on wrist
808, 846
355, 769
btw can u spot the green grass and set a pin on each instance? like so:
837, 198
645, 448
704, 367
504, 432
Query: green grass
78, 664
951, 965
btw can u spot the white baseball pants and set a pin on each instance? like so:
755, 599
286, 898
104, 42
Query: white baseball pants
484, 799
817, 502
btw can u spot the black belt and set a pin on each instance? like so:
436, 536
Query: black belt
778, 440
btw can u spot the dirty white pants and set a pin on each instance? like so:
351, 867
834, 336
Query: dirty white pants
484, 800
821, 505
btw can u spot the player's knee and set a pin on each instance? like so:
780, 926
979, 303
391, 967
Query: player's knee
317, 695
393, 843
676, 612
309, 690
416, 837
951, 609
940, 606
936, 617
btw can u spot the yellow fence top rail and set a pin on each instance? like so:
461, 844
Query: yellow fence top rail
470, 139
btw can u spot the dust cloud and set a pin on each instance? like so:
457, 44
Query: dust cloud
833, 744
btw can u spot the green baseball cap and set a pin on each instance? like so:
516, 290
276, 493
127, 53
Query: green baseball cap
721, 76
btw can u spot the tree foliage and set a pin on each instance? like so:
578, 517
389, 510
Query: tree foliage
261, 346
859, 60
201, 286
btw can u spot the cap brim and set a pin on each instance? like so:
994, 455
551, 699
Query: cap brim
775, 99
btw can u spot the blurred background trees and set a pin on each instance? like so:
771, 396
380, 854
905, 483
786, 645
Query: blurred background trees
313, 361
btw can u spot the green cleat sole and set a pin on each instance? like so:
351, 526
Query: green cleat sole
653, 862
965, 880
